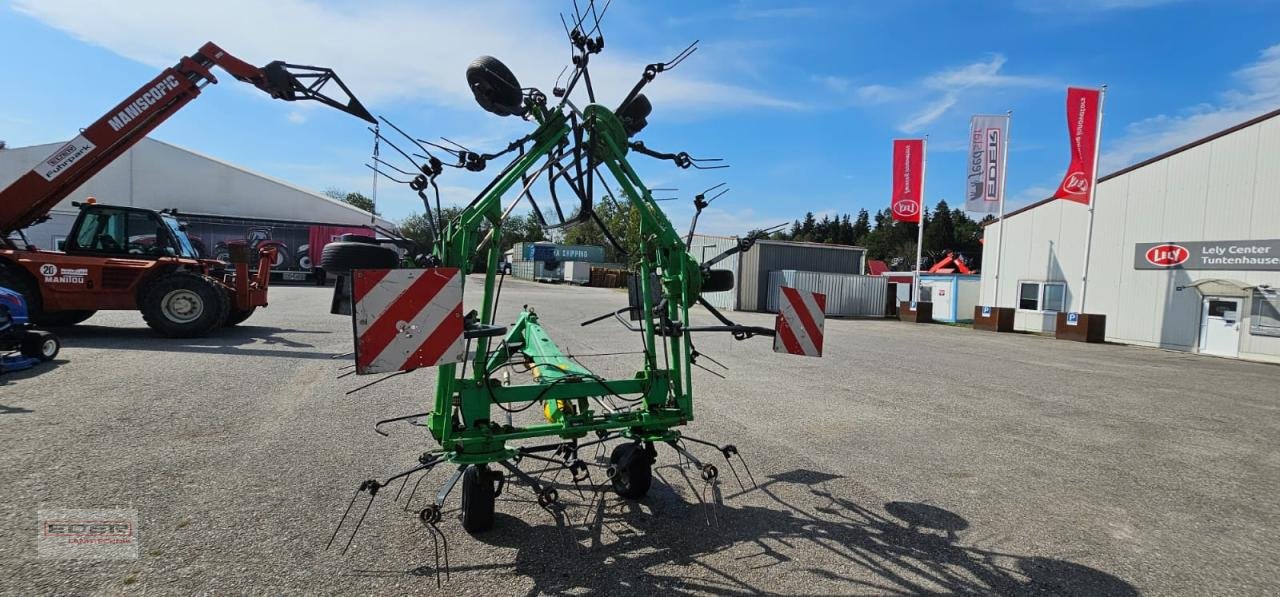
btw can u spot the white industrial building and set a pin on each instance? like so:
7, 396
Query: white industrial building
1185, 250
156, 175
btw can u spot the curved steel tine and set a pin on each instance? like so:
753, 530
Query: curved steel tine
407, 136
388, 176
681, 56
717, 196
393, 166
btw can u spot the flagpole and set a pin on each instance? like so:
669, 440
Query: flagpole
924, 169
1004, 163
374, 198
1093, 183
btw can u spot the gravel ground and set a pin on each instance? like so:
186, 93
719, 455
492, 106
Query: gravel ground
910, 459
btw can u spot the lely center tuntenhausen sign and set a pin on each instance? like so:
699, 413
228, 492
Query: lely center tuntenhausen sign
1254, 255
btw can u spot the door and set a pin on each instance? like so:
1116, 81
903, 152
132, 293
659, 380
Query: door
1220, 326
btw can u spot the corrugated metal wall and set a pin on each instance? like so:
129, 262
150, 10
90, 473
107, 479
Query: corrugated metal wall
772, 255
847, 295
705, 247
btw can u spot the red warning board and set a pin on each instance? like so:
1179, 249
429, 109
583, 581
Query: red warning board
798, 329
407, 318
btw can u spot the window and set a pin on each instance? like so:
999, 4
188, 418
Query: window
1042, 296
1029, 296
105, 230
1264, 319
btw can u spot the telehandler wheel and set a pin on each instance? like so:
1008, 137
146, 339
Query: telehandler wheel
343, 256
633, 470
39, 344
236, 316
185, 305
59, 319
478, 494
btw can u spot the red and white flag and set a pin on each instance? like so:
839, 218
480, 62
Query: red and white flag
407, 318
798, 328
907, 201
988, 147
1083, 113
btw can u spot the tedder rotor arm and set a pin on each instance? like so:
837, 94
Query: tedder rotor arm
32, 196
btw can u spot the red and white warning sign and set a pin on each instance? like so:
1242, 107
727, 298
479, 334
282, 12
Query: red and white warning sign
407, 318
798, 329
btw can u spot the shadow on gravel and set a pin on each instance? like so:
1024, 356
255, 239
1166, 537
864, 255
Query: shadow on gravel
248, 340
909, 549
36, 371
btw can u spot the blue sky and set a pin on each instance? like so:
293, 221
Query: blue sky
803, 98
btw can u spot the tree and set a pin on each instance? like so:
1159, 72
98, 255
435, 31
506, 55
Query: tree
940, 233
861, 227
356, 200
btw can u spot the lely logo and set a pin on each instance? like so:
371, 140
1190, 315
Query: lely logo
48, 270
1077, 182
906, 208
1167, 255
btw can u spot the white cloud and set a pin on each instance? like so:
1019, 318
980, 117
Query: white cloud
929, 113
1258, 91
1045, 6
296, 117
932, 96
388, 51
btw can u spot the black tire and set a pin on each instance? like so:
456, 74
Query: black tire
358, 238
478, 495
18, 280
59, 319
633, 468
342, 257
237, 317
39, 344
185, 305
495, 87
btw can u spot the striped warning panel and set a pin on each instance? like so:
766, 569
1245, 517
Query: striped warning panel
798, 329
407, 318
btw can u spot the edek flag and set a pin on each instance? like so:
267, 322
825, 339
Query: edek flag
988, 146
1083, 111
407, 318
907, 200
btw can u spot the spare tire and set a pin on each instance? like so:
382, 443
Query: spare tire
358, 238
344, 256
495, 87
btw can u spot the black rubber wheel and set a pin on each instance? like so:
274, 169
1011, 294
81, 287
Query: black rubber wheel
358, 238
635, 114
495, 86
59, 319
342, 257
717, 280
633, 467
185, 305
478, 494
39, 344
18, 280
236, 316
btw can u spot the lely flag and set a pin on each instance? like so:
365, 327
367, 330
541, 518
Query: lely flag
908, 176
988, 146
1083, 112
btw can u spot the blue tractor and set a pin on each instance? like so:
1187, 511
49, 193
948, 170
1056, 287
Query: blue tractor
17, 335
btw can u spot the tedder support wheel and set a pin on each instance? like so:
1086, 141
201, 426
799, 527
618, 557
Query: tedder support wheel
478, 494
236, 316
39, 344
185, 305
632, 470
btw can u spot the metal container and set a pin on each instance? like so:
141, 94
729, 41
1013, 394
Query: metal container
562, 253
522, 269
768, 256
705, 247
577, 272
847, 295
